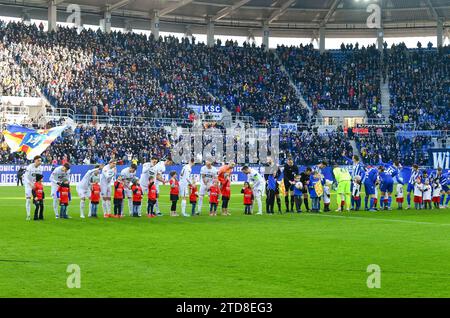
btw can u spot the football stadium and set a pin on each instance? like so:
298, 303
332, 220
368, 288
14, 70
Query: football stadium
225, 149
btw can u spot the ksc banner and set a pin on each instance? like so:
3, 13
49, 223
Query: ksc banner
439, 158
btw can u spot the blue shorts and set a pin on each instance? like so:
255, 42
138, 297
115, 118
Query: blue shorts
387, 187
370, 188
410, 187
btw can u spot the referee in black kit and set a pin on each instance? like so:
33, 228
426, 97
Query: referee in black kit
289, 172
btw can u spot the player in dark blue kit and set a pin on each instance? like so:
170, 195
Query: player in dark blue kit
444, 180
391, 169
415, 173
369, 185
386, 188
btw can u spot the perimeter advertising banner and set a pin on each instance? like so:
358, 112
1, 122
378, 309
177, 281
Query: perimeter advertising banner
439, 158
8, 173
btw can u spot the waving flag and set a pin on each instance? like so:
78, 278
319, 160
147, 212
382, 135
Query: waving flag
32, 142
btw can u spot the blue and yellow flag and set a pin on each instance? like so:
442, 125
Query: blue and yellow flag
32, 142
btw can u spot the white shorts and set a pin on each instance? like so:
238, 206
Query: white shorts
128, 193
28, 191
204, 188
184, 189
83, 192
105, 190
144, 188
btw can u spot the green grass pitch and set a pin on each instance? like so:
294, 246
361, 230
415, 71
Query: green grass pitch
289, 255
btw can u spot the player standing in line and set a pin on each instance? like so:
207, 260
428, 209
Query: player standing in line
358, 169
343, 192
185, 183
207, 174
58, 175
415, 173
444, 180
84, 189
128, 176
386, 188
275, 172
225, 170
106, 177
258, 184
32, 170
304, 179
290, 170
369, 185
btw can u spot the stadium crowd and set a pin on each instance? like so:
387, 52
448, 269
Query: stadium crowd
346, 79
419, 84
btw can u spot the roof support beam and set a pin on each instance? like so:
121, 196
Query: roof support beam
279, 12
173, 7
230, 9
432, 9
117, 5
330, 12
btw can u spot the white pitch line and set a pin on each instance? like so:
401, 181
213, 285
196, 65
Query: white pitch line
378, 219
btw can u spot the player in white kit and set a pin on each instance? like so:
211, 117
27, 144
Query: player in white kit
154, 169
29, 178
84, 188
185, 182
207, 174
58, 175
128, 176
258, 183
106, 178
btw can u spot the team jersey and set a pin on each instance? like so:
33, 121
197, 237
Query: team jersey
86, 180
95, 193
38, 192
255, 178
174, 187
137, 193
185, 175
156, 170
107, 175
437, 190
145, 174
386, 177
152, 192
418, 189
248, 195
208, 174
371, 175
356, 190
414, 175
214, 194
118, 190
358, 169
399, 191
427, 192
58, 175
341, 174
64, 194
31, 172
127, 176
442, 178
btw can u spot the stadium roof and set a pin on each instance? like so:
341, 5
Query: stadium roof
299, 18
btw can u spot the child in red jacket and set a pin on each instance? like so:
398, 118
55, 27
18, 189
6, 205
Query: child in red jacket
137, 197
193, 196
38, 198
64, 198
248, 198
152, 196
174, 192
226, 193
214, 193
95, 197
119, 190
